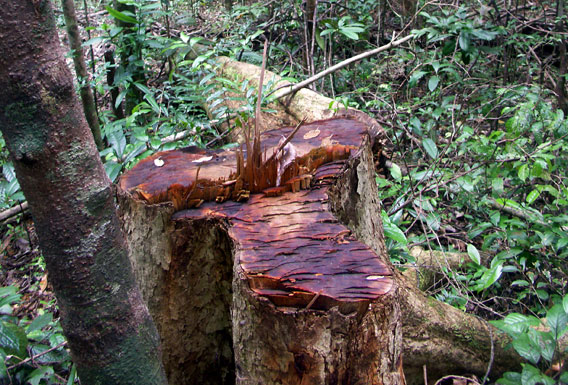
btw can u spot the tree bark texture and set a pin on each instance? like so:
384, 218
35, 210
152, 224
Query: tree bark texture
85, 90
277, 289
110, 333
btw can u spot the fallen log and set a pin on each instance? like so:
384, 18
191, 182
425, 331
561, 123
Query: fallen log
273, 288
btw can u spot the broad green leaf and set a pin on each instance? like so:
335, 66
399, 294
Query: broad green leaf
464, 41
436, 66
484, 34
319, 39
150, 99
112, 169
557, 319
565, 303
547, 345
526, 348
533, 376
40, 322
155, 143
13, 339
510, 378
392, 231
523, 172
120, 98
396, 172
39, 374
117, 140
3, 369
433, 83
194, 40
350, 34
473, 254
430, 147
121, 16
56, 355
491, 276
8, 171
497, 185
495, 217
72, 375
533, 195
143, 88
415, 77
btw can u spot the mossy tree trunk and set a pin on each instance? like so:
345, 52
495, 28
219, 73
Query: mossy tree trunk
111, 335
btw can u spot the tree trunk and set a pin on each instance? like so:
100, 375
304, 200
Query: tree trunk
111, 335
86, 93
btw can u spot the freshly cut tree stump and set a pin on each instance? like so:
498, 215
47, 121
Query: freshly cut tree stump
288, 285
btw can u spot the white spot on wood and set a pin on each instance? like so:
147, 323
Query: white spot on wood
204, 159
312, 134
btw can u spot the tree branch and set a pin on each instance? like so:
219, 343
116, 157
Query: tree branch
294, 88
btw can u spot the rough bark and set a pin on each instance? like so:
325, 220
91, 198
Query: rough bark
85, 90
277, 280
107, 324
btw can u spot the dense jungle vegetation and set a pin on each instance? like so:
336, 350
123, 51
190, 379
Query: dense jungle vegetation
474, 110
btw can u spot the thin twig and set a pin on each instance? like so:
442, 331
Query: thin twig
286, 141
260, 83
21, 207
37, 355
492, 356
313, 300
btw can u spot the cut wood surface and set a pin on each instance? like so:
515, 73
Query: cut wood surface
298, 252
309, 302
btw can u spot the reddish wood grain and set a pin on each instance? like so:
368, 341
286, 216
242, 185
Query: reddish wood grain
292, 248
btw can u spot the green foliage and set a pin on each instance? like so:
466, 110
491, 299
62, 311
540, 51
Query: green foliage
538, 342
31, 351
10, 192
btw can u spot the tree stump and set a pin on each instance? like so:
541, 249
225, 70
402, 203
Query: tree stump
288, 285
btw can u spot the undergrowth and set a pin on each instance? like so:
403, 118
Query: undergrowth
477, 155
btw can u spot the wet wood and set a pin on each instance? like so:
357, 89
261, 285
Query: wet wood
297, 249
300, 276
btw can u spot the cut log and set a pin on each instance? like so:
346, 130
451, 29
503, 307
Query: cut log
276, 288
